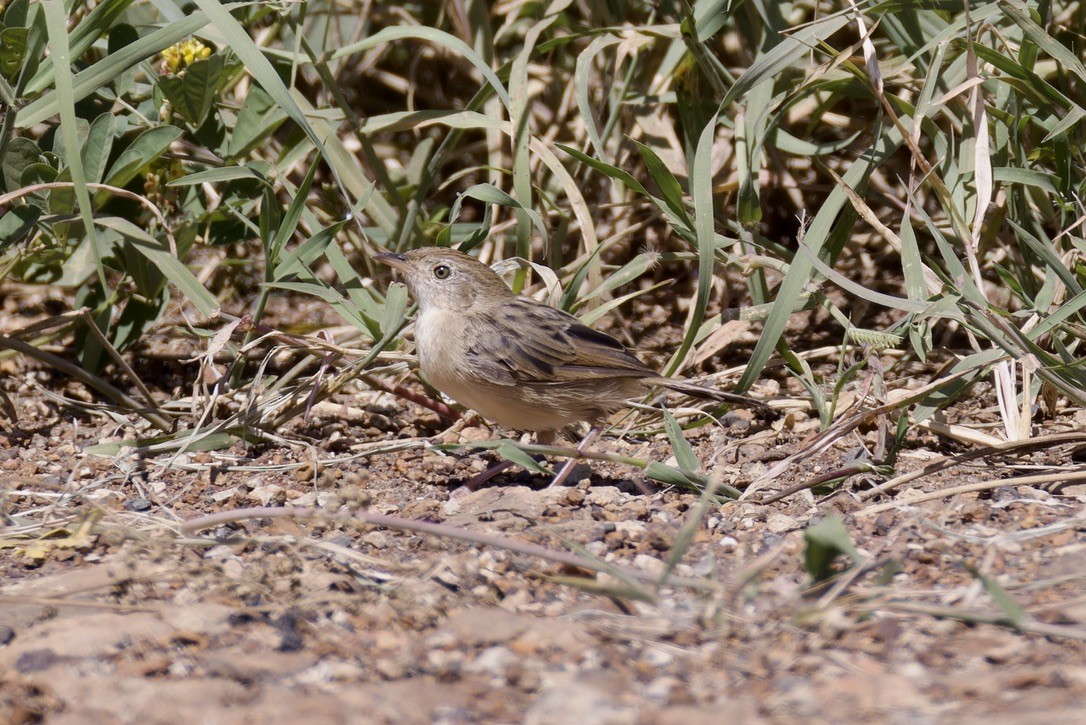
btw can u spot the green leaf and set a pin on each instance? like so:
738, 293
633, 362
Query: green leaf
21, 14
147, 147
417, 120
1029, 177
878, 298
98, 145
289, 223
795, 46
214, 176
81, 264
138, 314
299, 259
799, 274
262, 70
363, 308
394, 311
673, 476
160, 255
747, 162
88, 346
194, 93
191, 440
17, 223
490, 194
109, 68
270, 217
15, 14
432, 35
583, 87
633, 184
96, 24
12, 51
826, 541
257, 120
607, 170
666, 182
1016, 615
684, 454
790, 144
511, 452
61, 61
1067, 59
711, 15
912, 264
630, 271
20, 154
701, 186
589, 318
121, 36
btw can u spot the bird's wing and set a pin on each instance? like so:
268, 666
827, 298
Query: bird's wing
554, 348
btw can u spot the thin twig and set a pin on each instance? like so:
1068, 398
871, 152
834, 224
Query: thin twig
1044, 442
83, 376
116, 190
439, 530
1076, 475
1028, 626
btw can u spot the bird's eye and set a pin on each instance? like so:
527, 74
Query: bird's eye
442, 271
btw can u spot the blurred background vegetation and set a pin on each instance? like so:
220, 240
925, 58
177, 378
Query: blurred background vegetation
887, 192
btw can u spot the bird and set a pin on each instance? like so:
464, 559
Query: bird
518, 362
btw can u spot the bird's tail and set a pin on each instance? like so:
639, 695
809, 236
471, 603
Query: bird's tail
698, 391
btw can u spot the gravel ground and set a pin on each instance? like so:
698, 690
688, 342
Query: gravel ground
111, 614
396, 594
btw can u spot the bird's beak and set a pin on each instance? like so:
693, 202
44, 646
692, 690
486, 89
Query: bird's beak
396, 261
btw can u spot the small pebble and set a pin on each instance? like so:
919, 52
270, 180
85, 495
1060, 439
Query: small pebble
138, 505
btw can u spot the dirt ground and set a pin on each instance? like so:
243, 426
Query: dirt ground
969, 607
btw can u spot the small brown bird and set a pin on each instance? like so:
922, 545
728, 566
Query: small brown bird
518, 362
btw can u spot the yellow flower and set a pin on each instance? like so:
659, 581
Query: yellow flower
181, 55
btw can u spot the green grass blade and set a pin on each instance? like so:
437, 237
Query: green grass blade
701, 184
265, 74
801, 269
58, 47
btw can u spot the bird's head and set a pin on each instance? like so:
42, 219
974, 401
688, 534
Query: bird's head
445, 279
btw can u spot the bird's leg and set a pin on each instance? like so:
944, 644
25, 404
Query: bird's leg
457, 427
487, 474
497, 468
567, 468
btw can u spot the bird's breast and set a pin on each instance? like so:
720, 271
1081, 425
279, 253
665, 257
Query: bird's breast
442, 339
438, 342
